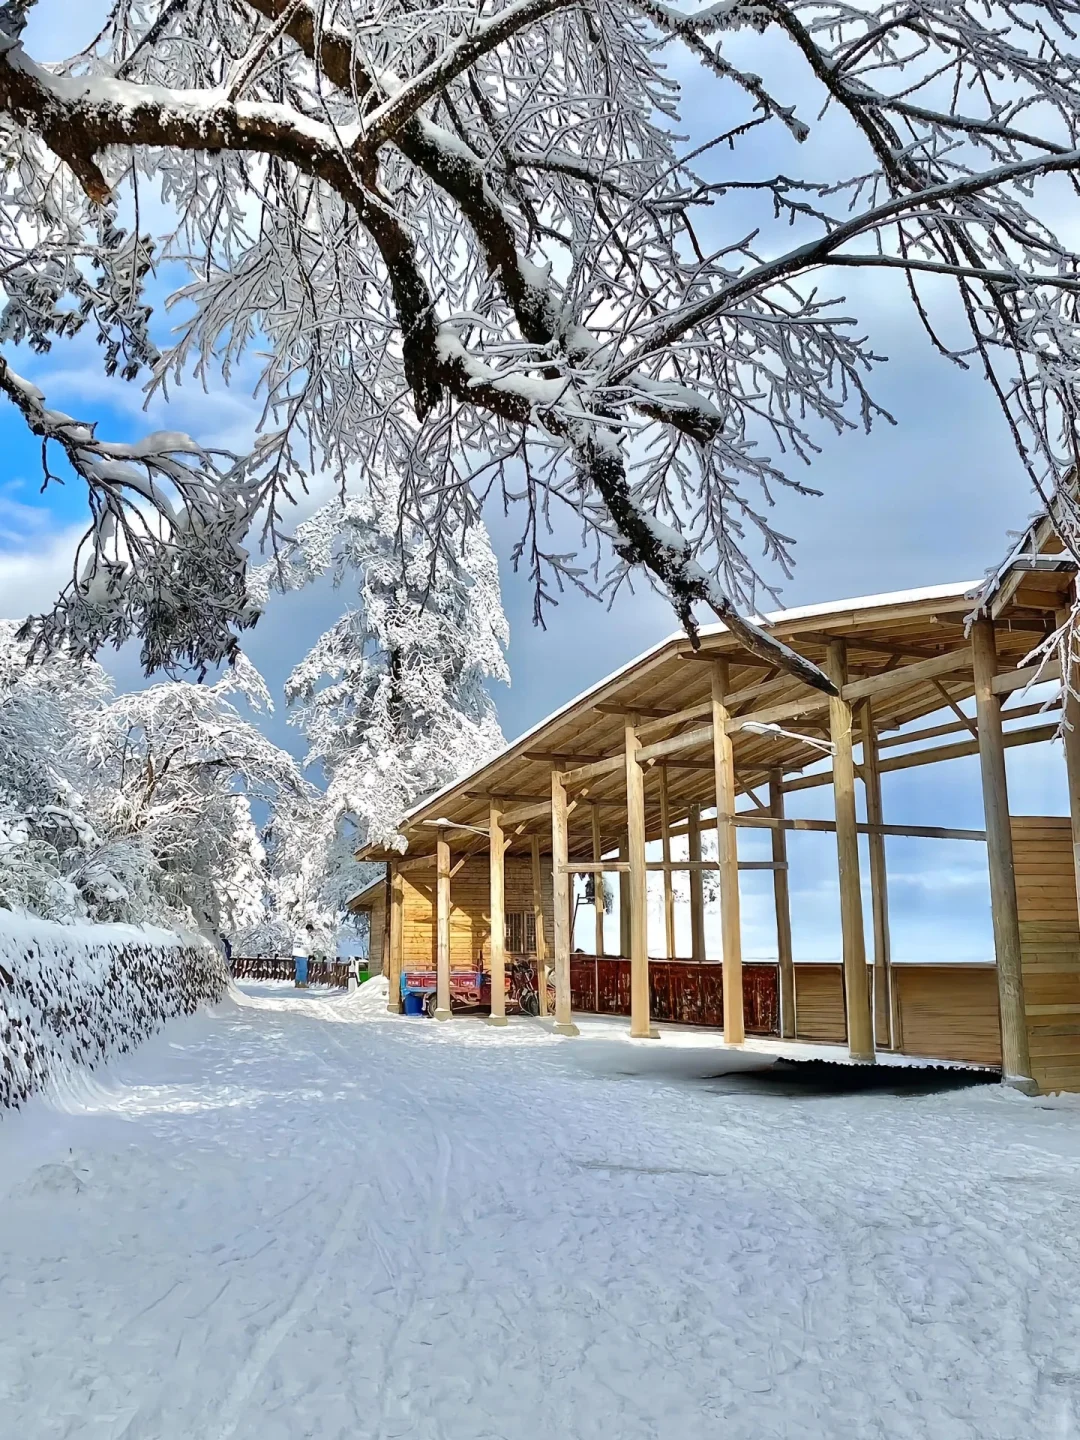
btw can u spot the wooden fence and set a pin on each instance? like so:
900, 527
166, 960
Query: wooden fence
283, 967
683, 991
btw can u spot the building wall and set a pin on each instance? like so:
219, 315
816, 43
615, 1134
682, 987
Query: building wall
470, 912
1049, 947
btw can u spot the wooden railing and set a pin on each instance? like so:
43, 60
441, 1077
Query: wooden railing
283, 967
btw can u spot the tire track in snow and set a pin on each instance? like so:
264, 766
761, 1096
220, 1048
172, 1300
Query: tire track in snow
274, 1336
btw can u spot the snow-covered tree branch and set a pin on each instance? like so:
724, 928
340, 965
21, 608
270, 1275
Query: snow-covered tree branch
471, 251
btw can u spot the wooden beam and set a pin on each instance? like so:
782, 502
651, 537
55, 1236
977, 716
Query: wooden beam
1010, 680
564, 1025
538, 924
1031, 735
669, 893
1070, 733
906, 675
655, 712
442, 928
497, 907
879, 883
828, 827
697, 890
624, 895
397, 937
688, 740
641, 1027
789, 710
965, 720
582, 774
540, 809
860, 1034
596, 867
782, 906
728, 858
598, 886
1015, 1061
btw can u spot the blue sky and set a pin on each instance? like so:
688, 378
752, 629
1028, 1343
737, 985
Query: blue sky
928, 500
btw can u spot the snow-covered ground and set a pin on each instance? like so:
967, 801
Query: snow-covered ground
297, 1217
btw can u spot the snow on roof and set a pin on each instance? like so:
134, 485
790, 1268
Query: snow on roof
958, 590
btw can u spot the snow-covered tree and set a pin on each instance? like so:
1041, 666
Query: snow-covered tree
393, 698
176, 768
468, 244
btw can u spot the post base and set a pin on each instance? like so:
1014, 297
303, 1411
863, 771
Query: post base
1023, 1083
442, 1014
565, 1028
497, 1020
651, 1034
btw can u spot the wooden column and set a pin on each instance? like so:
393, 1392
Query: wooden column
640, 1027
697, 886
1070, 689
624, 902
782, 903
727, 854
860, 1030
560, 858
884, 1027
497, 870
669, 891
396, 927
598, 884
442, 928
538, 925
1015, 1060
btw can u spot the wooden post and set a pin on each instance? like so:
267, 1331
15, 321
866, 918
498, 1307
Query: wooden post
560, 858
728, 858
1015, 1059
782, 902
598, 884
538, 926
396, 927
860, 1030
1070, 696
669, 893
697, 890
884, 1025
497, 868
624, 902
442, 928
637, 889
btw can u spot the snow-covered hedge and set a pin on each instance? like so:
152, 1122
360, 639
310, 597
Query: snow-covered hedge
76, 994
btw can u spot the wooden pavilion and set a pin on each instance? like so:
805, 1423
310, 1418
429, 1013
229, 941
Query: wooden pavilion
681, 731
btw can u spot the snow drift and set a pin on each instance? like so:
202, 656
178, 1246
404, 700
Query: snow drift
75, 994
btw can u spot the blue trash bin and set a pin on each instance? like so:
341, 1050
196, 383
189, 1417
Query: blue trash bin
414, 1002
301, 963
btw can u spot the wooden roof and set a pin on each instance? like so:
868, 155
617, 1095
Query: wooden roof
882, 632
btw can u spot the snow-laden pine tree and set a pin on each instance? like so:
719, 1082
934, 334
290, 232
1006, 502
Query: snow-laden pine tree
176, 768
393, 698
593, 258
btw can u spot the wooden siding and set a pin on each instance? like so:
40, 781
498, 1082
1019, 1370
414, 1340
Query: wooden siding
470, 921
1050, 947
949, 1012
684, 992
819, 1003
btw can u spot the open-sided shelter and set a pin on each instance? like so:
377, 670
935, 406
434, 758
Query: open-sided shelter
685, 729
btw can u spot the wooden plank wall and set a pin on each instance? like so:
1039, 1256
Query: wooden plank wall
470, 923
377, 921
949, 1012
819, 1002
1049, 947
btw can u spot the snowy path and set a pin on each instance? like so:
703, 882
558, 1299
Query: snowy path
294, 1219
